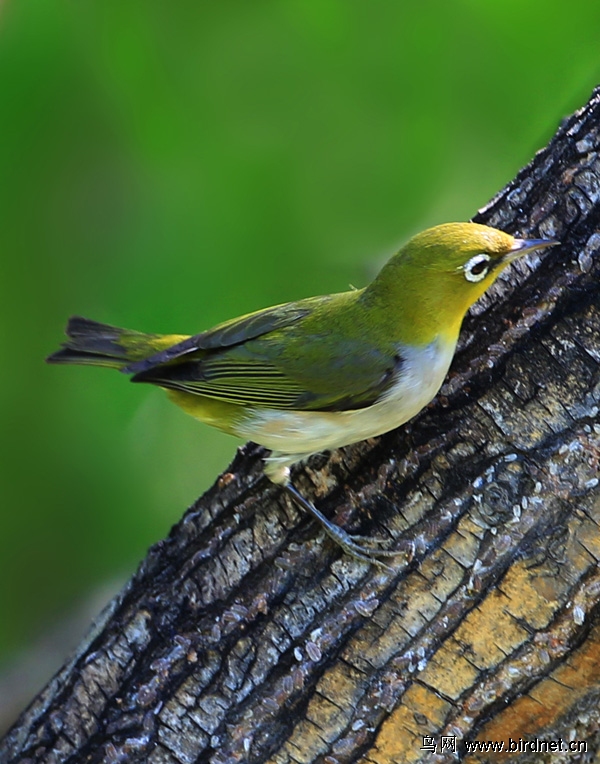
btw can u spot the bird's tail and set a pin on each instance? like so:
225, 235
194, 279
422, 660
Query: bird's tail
92, 343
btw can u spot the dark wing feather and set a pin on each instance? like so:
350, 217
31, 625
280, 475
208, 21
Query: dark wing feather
250, 385
228, 334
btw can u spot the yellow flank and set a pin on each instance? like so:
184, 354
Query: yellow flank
220, 414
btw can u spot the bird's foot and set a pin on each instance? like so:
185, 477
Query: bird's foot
360, 547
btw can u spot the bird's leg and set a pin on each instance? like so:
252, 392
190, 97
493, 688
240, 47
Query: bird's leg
349, 543
360, 547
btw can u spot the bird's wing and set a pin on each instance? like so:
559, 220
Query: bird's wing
265, 360
235, 377
227, 334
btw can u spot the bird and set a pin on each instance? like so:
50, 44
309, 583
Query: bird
323, 372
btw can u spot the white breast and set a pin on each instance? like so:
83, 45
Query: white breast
294, 435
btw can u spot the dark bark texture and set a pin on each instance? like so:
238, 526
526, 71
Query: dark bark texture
247, 636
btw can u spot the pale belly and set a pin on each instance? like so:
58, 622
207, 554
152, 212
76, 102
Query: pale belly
294, 435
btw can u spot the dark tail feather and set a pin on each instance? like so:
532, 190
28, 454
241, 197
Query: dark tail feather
91, 342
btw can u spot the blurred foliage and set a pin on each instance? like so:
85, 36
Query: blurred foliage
165, 166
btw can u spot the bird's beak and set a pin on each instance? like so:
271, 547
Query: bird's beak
521, 247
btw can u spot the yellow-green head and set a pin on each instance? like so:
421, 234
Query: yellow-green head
435, 278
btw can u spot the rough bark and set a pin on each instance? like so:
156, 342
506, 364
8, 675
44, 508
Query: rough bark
246, 636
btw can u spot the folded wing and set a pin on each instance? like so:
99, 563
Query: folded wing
278, 358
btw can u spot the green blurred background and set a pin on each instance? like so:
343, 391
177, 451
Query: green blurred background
167, 165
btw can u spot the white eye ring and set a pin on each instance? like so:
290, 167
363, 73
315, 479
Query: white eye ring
477, 267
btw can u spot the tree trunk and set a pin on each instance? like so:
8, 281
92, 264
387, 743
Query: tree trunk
247, 636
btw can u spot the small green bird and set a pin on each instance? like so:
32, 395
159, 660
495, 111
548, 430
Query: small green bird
323, 372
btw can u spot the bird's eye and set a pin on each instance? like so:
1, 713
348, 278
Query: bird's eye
477, 267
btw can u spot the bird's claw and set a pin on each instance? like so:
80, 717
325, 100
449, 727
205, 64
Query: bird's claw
360, 547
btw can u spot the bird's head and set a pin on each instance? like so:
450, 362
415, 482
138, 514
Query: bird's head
442, 271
